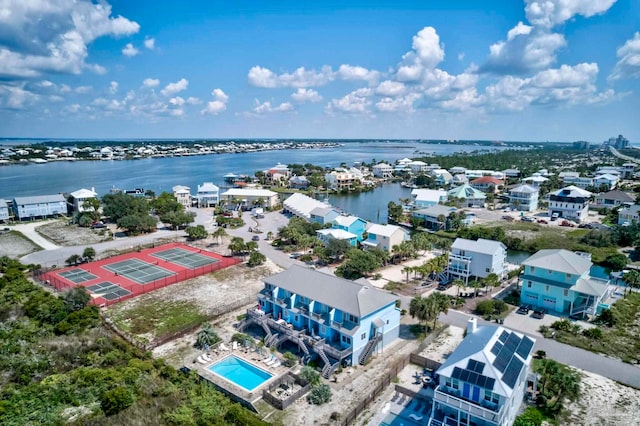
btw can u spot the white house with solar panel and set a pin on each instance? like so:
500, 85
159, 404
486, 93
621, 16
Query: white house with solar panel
484, 381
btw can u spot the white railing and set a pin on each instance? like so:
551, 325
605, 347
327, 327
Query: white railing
468, 407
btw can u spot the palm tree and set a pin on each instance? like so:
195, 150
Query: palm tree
632, 279
420, 308
408, 270
219, 234
460, 284
237, 245
475, 285
440, 303
206, 336
491, 280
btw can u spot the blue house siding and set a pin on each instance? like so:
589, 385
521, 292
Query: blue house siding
358, 227
328, 218
39, 209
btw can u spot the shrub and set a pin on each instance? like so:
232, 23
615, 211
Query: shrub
540, 354
310, 375
606, 317
531, 417
484, 308
320, 394
562, 325
290, 359
593, 333
256, 258
116, 400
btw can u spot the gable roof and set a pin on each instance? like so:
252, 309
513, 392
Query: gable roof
616, 195
435, 211
487, 179
559, 260
384, 230
347, 220
338, 234
634, 209
572, 191
433, 195
524, 189
493, 356
302, 205
207, 187
480, 246
348, 296
84, 193
466, 191
36, 199
323, 211
237, 192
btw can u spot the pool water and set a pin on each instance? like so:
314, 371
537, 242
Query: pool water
395, 420
240, 372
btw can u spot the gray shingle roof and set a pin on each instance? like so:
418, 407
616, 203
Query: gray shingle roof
616, 195
348, 296
559, 260
437, 210
38, 199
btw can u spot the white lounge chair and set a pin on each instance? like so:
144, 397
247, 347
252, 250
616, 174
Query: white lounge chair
206, 357
267, 359
201, 360
223, 347
276, 364
272, 361
234, 345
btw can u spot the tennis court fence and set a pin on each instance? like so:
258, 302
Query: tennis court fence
50, 278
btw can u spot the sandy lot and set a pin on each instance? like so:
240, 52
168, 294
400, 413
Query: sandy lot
15, 245
440, 349
72, 235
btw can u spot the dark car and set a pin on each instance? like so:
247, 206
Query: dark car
255, 238
539, 313
98, 225
445, 286
523, 309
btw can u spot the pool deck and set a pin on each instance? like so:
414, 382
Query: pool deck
247, 355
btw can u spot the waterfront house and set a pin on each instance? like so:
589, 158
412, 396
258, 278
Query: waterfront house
459, 179
457, 170
629, 215
339, 180
80, 196
469, 196
485, 379
477, 259
581, 182
435, 217
352, 224
423, 198
570, 203
250, 197
298, 182
183, 195
325, 235
487, 184
337, 320
382, 170
558, 280
511, 173
324, 215
384, 237
524, 198
278, 174
4, 211
442, 176
302, 205
208, 195
39, 206
613, 199
418, 167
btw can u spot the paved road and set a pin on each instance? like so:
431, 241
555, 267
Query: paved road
585, 360
622, 156
29, 231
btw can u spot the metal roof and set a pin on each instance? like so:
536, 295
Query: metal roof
384, 230
480, 246
38, 199
348, 296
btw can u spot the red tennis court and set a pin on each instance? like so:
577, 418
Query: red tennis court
121, 277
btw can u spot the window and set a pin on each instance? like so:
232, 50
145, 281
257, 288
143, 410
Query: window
353, 318
495, 399
546, 288
566, 292
295, 318
528, 284
533, 269
455, 384
568, 276
487, 395
363, 336
448, 382
387, 322
488, 270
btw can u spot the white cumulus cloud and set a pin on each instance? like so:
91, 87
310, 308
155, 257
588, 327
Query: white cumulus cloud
351, 72
151, 82
130, 50
301, 77
390, 88
628, 65
150, 43
218, 104
177, 87
53, 36
356, 102
267, 108
113, 87
306, 95
550, 13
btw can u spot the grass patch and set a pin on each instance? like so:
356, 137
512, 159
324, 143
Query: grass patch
620, 341
14, 244
156, 317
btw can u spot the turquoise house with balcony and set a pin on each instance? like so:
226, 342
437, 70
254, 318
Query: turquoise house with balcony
352, 224
558, 280
337, 320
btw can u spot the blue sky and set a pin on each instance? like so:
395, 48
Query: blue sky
500, 70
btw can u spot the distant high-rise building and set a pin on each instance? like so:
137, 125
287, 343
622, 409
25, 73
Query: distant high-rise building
619, 143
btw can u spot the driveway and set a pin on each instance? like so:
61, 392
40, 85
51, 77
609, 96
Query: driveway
29, 230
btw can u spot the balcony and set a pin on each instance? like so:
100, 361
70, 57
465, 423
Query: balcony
474, 409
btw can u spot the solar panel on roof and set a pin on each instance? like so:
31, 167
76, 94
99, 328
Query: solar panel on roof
502, 359
512, 342
475, 366
489, 382
524, 348
512, 372
503, 337
496, 348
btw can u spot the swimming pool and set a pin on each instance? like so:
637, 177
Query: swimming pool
395, 420
240, 372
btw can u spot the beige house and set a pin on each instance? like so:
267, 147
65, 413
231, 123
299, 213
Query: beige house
384, 237
250, 197
183, 195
